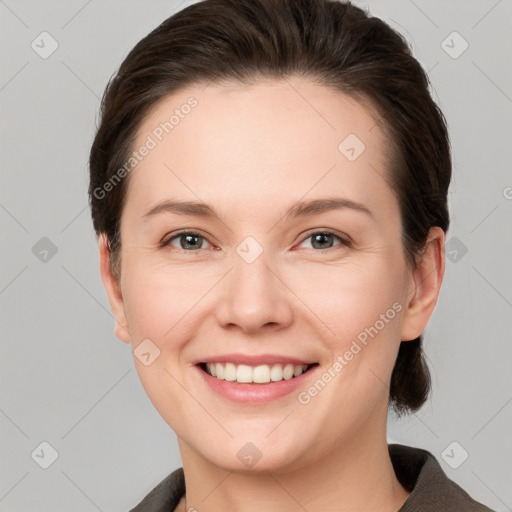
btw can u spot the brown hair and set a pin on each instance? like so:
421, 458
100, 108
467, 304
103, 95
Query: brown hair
333, 43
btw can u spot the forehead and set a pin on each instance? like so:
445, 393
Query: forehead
281, 138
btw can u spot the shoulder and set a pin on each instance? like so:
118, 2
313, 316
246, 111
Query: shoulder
431, 490
165, 496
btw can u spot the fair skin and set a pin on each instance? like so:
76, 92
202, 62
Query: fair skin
250, 153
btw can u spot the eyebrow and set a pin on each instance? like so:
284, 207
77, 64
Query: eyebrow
299, 209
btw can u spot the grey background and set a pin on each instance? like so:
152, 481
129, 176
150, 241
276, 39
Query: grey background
67, 380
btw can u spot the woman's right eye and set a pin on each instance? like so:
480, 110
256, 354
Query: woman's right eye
188, 241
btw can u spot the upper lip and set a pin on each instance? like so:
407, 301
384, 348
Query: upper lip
253, 360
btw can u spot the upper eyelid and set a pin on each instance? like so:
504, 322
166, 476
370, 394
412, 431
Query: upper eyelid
345, 239
167, 239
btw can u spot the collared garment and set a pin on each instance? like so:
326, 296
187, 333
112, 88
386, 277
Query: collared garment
416, 469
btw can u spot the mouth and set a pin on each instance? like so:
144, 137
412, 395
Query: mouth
261, 374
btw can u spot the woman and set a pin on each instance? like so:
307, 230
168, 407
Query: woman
269, 190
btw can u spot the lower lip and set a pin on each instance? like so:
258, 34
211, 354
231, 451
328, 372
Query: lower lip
254, 393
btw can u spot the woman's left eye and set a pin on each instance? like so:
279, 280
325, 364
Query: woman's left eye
190, 241
324, 240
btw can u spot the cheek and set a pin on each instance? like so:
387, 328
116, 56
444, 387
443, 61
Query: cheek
361, 303
169, 305
157, 302
351, 296
159, 307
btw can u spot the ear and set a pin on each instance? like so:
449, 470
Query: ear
426, 282
113, 289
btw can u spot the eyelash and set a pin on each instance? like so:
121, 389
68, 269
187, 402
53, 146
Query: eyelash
344, 241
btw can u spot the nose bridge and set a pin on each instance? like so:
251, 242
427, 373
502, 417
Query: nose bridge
255, 296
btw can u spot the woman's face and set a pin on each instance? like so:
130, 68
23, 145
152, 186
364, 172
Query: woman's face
275, 273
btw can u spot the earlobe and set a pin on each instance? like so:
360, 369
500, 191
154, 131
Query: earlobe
426, 281
113, 289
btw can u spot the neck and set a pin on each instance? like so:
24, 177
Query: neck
356, 477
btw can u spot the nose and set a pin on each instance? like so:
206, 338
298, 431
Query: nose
254, 298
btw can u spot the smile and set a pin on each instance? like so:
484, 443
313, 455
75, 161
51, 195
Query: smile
261, 374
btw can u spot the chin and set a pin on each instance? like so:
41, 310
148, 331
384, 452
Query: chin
252, 458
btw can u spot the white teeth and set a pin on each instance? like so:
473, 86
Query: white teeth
261, 374
288, 371
229, 372
298, 370
243, 373
255, 374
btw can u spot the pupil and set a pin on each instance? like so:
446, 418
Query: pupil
187, 243
322, 238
